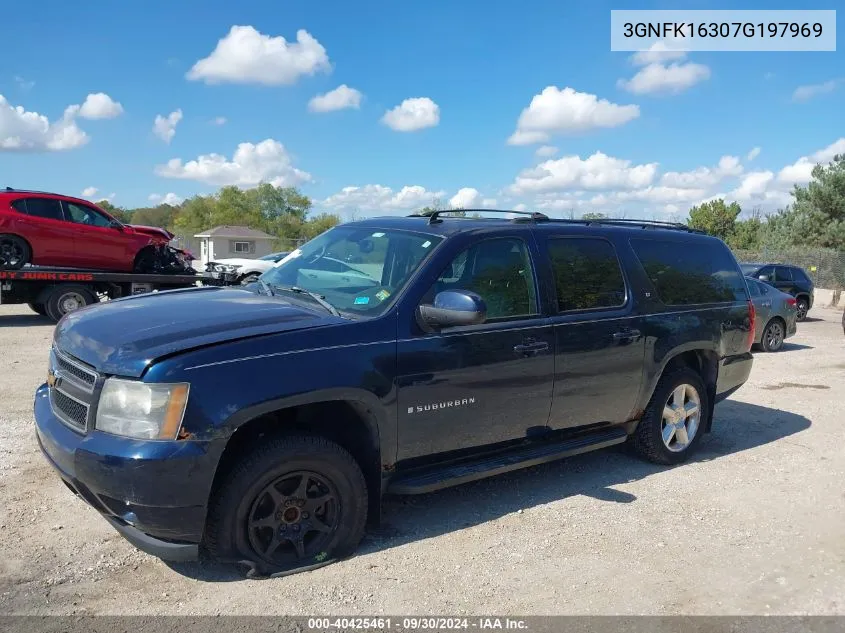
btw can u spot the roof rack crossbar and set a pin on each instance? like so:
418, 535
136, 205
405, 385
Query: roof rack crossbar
523, 216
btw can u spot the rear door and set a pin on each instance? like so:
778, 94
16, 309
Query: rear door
43, 224
762, 305
97, 242
599, 345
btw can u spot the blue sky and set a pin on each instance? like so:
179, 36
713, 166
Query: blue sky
645, 136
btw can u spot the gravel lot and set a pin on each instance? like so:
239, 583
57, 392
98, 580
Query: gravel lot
754, 525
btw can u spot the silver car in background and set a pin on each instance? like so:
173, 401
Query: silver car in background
776, 315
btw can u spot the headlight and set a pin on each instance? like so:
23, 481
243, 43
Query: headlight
150, 411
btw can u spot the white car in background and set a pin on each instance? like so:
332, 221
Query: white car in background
248, 270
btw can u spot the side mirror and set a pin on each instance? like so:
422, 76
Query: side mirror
764, 278
452, 308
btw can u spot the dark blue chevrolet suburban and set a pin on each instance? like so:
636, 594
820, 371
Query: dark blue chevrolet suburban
264, 423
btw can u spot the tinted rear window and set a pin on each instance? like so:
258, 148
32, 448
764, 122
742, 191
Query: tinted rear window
691, 272
800, 275
44, 208
587, 274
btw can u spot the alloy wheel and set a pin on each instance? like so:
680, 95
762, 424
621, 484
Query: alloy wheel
681, 418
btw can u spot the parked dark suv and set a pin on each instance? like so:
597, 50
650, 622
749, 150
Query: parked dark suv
792, 280
265, 422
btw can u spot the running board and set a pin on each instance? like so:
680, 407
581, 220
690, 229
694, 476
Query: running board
437, 477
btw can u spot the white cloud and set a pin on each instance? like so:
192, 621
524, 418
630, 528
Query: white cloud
25, 131
754, 153
598, 171
165, 127
665, 79
381, 199
251, 164
412, 114
567, 111
89, 192
246, 56
754, 184
169, 198
100, 106
24, 84
341, 97
520, 207
657, 53
805, 93
729, 166
800, 172
544, 151
470, 198
219, 120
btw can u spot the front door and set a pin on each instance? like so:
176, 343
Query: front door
600, 346
470, 386
97, 242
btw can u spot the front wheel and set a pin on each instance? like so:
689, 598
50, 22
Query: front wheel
249, 278
292, 503
803, 308
673, 422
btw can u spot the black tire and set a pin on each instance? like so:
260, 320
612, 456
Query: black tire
146, 262
38, 308
773, 335
648, 440
803, 306
15, 253
66, 298
245, 519
249, 278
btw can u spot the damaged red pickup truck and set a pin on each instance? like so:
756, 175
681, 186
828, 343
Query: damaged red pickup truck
48, 229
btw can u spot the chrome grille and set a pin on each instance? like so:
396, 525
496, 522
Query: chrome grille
72, 390
75, 370
68, 410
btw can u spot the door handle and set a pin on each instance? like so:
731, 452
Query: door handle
626, 335
527, 349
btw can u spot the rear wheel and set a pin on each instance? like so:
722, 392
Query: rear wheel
673, 422
803, 308
293, 503
65, 299
14, 252
773, 335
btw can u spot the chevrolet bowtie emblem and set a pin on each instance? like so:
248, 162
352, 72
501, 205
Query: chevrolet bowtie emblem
51, 378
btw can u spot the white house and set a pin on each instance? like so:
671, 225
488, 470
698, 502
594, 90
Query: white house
233, 241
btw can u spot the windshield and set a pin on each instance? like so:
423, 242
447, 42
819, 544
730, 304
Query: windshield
354, 269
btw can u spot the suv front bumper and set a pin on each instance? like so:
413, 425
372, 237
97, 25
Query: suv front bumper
155, 493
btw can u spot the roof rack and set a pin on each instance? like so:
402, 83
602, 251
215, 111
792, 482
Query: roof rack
12, 189
524, 216
535, 216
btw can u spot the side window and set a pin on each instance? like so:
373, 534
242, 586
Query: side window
44, 208
783, 273
587, 274
497, 269
19, 205
691, 272
85, 215
768, 271
800, 275
753, 288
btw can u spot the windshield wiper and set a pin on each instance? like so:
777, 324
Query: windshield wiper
266, 287
318, 298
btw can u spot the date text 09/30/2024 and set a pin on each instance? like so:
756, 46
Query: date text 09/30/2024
417, 624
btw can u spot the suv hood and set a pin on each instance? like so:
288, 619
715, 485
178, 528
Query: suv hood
152, 231
126, 335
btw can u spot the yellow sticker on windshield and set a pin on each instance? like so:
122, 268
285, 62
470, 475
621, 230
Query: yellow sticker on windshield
381, 295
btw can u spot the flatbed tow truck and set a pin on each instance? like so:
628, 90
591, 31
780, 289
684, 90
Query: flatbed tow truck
53, 292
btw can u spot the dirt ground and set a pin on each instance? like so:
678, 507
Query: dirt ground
755, 524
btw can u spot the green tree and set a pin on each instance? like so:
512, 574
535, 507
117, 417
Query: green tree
162, 215
593, 215
748, 233
715, 217
118, 212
